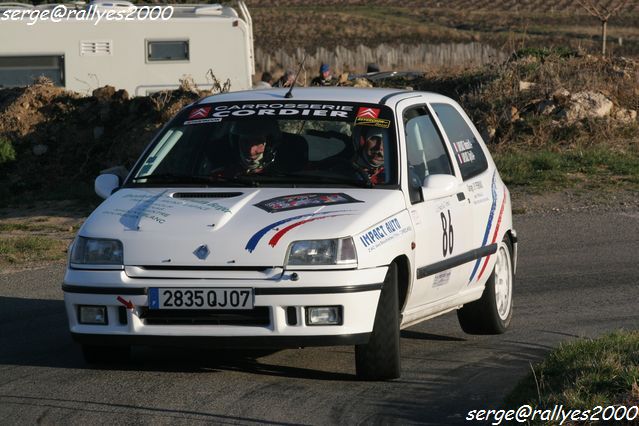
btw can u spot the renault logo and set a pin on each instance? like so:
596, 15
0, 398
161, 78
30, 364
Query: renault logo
202, 252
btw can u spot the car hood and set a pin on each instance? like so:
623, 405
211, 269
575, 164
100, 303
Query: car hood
241, 227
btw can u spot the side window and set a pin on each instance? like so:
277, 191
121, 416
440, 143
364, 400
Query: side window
22, 70
167, 50
425, 150
468, 151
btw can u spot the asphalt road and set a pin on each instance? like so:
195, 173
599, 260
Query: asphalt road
578, 276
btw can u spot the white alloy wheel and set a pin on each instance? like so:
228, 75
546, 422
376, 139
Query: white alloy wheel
503, 282
492, 313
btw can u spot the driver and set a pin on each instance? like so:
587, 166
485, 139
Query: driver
252, 149
370, 157
255, 144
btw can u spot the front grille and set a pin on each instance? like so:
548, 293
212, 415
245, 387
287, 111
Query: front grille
259, 316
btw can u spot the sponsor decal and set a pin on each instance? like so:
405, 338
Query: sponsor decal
464, 151
381, 234
201, 112
475, 186
365, 112
375, 122
200, 115
301, 220
156, 208
203, 120
302, 201
367, 116
317, 111
441, 279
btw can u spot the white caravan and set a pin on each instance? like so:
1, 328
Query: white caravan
142, 49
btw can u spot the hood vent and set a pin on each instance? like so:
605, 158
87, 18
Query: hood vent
206, 194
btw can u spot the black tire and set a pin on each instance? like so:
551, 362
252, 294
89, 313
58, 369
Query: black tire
379, 359
482, 316
105, 354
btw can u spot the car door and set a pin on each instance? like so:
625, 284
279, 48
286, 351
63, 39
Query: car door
483, 186
438, 205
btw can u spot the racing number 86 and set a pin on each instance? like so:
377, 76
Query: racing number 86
448, 234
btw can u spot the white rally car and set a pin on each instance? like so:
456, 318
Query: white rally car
335, 216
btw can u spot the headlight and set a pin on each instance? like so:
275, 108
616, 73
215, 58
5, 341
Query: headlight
97, 251
322, 252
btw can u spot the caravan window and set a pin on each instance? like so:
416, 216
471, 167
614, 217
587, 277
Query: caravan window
22, 70
167, 50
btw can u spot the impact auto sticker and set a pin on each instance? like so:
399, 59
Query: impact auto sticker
378, 235
370, 117
491, 217
302, 201
255, 239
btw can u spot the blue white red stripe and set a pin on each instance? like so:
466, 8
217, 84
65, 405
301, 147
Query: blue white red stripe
255, 239
491, 217
495, 234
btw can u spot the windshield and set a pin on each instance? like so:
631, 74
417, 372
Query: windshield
271, 144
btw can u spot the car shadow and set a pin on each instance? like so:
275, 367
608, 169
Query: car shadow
418, 335
34, 332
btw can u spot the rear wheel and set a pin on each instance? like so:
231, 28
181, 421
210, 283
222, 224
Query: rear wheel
94, 354
379, 359
493, 312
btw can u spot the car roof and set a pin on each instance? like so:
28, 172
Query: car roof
345, 94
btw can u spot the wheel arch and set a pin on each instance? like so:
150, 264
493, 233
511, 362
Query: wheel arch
511, 234
403, 280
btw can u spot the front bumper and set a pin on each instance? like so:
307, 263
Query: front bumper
356, 291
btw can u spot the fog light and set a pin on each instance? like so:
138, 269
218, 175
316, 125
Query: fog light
93, 315
323, 315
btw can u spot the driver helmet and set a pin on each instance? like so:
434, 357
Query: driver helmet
255, 141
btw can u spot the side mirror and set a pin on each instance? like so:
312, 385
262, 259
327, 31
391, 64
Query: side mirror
105, 184
439, 186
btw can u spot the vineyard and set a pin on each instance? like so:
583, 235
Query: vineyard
284, 27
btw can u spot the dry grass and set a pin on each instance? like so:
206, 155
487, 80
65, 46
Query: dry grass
35, 238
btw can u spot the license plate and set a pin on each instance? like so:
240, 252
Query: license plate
200, 298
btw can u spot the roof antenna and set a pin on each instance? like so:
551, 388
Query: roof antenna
289, 94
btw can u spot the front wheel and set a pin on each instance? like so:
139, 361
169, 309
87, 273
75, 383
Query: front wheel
379, 359
493, 312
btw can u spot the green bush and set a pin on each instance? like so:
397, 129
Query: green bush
544, 52
7, 153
